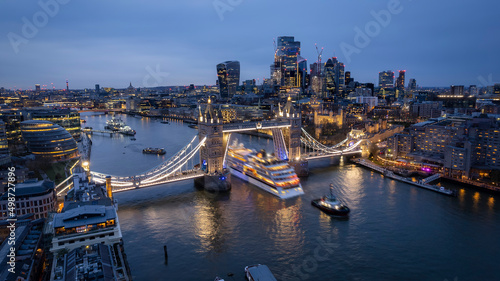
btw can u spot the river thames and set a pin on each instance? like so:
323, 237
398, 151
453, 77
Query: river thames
395, 231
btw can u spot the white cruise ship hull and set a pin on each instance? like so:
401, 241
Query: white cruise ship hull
283, 194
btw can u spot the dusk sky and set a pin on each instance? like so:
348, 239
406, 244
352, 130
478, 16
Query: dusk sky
112, 43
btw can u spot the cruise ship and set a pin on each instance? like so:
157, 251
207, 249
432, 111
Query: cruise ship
264, 170
114, 124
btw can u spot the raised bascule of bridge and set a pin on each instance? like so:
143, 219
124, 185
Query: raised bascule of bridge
203, 157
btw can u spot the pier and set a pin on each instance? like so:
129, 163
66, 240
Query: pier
391, 175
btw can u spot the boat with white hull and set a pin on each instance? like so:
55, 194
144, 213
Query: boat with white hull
264, 171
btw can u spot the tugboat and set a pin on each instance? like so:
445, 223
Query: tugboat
330, 205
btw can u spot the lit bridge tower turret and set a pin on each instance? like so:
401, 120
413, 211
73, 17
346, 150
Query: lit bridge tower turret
293, 115
210, 126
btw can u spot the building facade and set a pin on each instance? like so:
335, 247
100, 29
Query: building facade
32, 197
386, 79
228, 74
49, 141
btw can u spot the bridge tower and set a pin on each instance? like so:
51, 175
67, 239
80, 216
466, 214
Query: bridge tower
293, 115
210, 125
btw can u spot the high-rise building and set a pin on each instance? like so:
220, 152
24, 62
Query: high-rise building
347, 78
330, 84
97, 89
334, 77
412, 85
37, 88
316, 78
302, 72
400, 82
473, 90
386, 79
457, 90
67, 85
229, 78
340, 78
285, 69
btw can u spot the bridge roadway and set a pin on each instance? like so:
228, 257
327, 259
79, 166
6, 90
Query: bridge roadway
180, 176
320, 155
251, 126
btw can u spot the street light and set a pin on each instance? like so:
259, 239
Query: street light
86, 165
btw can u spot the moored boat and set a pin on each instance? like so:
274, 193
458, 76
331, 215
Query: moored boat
151, 150
331, 205
126, 130
115, 124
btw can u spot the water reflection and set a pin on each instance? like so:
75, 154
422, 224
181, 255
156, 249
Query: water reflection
491, 203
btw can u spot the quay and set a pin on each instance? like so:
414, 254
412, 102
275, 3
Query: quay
391, 175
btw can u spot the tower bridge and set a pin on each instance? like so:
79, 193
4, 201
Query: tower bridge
291, 142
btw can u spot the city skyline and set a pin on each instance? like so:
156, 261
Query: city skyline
140, 40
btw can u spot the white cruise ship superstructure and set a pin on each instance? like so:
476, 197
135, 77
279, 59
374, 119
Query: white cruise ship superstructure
264, 170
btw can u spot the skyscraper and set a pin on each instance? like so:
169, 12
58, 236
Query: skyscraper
316, 79
97, 89
457, 90
285, 70
400, 82
229, 78
334, 77
386, 79
412, 85
37, 88
302, 72
339, 78
331, 86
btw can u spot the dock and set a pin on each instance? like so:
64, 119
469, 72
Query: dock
422, 183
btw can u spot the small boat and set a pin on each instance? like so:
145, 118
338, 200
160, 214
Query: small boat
259, 272
83, 121
217, 278
330, 205
150, 150
133, 139
164, 122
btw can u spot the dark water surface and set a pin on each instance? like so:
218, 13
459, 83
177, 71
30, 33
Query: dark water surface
395, 231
